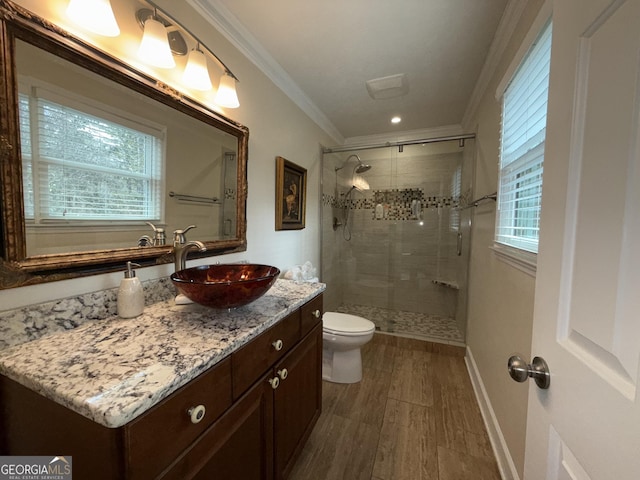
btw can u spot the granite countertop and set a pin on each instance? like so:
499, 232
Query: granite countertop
113, 370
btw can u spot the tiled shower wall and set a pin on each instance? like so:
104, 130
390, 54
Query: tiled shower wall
407, 258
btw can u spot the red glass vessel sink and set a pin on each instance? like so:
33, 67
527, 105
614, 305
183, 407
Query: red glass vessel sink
226, 285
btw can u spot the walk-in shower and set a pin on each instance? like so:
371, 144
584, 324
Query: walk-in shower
395, 240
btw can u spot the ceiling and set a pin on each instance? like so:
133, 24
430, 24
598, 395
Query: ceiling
324, 51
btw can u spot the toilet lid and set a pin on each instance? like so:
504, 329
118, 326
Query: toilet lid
343, 322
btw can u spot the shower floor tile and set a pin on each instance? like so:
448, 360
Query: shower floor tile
417, 325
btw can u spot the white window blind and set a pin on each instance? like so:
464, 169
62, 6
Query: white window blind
524, 116
87, 166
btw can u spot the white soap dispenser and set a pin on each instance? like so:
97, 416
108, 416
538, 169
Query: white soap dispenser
130, 294
379, 211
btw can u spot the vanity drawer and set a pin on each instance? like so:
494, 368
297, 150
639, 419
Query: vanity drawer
157, 437
310, 314
254, 358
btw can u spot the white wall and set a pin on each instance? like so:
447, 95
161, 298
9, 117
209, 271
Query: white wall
277, 127
500, 308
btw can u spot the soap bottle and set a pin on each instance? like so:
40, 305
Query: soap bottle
130, 294
379, 211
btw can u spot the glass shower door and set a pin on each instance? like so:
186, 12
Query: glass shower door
402, 251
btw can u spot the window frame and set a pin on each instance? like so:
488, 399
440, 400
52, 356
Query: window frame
93, 108
519, 258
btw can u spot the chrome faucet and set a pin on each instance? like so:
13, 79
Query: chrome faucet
145, 241
159, 237
181, 247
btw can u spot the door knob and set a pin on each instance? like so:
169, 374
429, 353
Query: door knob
520, 371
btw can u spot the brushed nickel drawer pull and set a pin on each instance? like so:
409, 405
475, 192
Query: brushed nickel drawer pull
275, 381
283, 373
316, 313
197, 413
278, 345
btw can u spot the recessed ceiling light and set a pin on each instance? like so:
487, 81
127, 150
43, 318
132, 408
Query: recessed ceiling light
396, 120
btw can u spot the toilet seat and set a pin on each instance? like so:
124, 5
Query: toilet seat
346, 325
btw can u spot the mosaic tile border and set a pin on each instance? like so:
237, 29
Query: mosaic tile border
397, 204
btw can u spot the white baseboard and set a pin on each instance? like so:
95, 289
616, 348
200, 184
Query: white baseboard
503, 457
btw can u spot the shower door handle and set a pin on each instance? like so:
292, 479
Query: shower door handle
459, 244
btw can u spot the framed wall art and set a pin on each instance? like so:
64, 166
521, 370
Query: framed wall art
291, 193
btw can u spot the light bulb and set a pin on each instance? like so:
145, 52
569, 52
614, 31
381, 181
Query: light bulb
95, 16
154, 48
226, 95
196, 74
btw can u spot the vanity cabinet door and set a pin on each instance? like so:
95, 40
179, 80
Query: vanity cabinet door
298, 400
256, 357
159, 435
237, 446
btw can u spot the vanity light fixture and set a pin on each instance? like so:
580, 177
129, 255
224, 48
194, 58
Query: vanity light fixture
94, 15
196, 73
162, 38
154, 48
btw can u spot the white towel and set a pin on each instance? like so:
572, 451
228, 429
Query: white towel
302, 273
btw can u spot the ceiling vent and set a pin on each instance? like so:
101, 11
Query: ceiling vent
388, 87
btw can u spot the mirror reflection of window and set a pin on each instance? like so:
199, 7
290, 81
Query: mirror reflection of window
84, 161
107, 170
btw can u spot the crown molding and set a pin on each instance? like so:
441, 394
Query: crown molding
228, 25
507, 26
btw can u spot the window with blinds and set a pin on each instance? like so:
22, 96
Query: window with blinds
524, 116
82, 163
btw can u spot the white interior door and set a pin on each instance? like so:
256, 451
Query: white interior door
587, 307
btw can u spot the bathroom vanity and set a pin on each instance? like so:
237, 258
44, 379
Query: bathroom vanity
181, 392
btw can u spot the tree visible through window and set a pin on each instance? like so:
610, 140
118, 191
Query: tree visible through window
87, 166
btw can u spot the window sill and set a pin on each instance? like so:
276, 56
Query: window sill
521, 259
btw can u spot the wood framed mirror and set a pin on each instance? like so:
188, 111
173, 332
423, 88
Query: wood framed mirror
201, 171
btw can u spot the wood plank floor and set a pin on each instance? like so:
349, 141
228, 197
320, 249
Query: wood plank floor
412, 417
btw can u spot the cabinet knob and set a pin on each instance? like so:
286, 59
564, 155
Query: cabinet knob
283, 373
275, 381
316, 313
197, 413
278, 345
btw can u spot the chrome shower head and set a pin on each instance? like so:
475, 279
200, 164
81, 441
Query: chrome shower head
360, 168
363, 167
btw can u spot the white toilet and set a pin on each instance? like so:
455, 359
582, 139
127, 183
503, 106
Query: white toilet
342, 336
